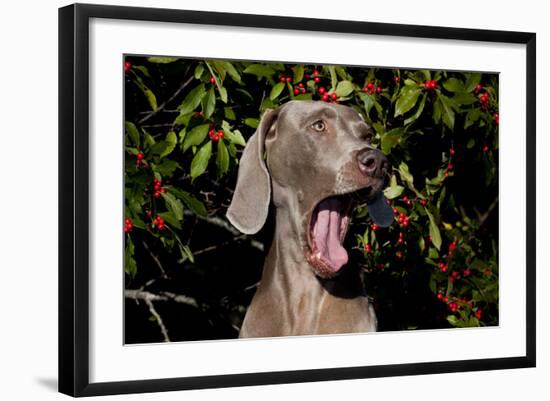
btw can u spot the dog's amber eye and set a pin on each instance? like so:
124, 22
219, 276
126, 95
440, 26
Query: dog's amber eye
319, 126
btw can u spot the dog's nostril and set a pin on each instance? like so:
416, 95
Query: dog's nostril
370, 163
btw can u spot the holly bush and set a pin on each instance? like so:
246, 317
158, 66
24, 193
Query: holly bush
187, 122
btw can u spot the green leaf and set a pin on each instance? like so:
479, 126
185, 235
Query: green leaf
133, 133
166, 168
235, 137
151, 98
130, 266
472, 80
390, 139
406, 101
186, 254
298, 73
223, 94
209, 103
344, 88
170, 219
192, 100
196, 136
418, 112
162, 60
447, 111
199, 69
333, 77
174, 205
229, 113
192, 203
465, 99
222, 158
260, 70
276, 90
232, 71
394, 190
406, 176
434, 231
454, 85
171, 142
200, 161
252, 122
472, 117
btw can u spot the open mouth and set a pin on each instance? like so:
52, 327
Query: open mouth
327, 229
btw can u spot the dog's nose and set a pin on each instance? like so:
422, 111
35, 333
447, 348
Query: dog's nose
372, 163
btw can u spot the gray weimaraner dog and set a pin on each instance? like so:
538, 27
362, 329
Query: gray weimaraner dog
316, 155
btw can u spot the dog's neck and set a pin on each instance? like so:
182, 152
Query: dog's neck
286, 266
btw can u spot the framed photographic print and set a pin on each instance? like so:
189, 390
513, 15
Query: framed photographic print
231, 206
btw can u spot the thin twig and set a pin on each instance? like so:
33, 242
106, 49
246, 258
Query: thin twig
216, 221
157, 261
163, 105
482, 218
157, 317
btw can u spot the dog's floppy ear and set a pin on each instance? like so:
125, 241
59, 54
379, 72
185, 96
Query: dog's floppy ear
250, 204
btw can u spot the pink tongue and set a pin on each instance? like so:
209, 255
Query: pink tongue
326, 234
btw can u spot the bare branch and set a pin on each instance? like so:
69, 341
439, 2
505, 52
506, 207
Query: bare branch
157, 261
216, 221
162, 327
163, 105
163, 296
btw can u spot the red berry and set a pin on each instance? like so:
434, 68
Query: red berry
449, 166
140, 156
445, 299
370, 85
306, 76
321, 90
303, 90
368, 248
466, 272
288, 80
396, 79
399, 255
157, 194
378, 89
446, 174
452, 152
148, 214
496, 118
454, 274
317, 79
478, 88
127, 66
374, 227
485, 149
325, 97
282, 79
423, 202
479, 313
296, 91
439, 296
395, 211
221, 134
161, 226
315, 73
212, 80
453, 306
300, 85
333, 96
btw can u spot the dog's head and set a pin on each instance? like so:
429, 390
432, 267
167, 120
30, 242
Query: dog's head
318, 157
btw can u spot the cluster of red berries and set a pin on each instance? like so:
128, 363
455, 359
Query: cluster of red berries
158, 189
430, 84
139, 159
315, 75
127, 66
158, 222
453, 307
371, 88
285, 78
128, 225
443, 266
403, 219
332, 97
215, 136
299, 89
484, 100
407, 201
441, 297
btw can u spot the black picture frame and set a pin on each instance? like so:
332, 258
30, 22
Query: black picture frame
74, 198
